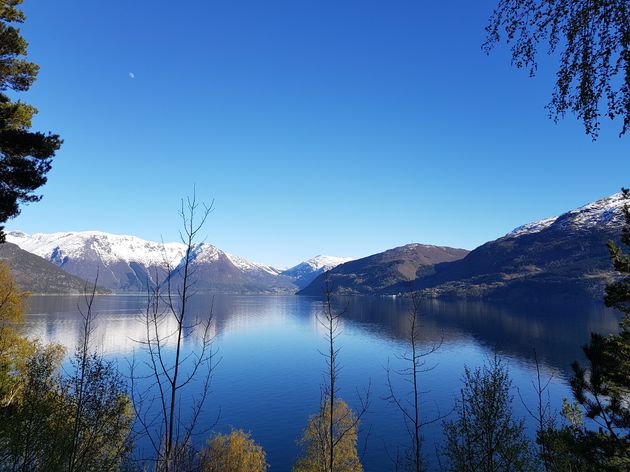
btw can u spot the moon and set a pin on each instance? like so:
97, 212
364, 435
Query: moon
132, 75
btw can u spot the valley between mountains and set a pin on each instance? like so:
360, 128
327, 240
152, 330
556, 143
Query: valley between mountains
564, 256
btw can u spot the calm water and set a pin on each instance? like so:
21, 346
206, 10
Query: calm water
267, 381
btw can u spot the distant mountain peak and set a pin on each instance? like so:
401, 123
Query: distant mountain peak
326, 262
305, 272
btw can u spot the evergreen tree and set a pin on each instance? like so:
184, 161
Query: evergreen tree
25, 156
603, 388
486, 437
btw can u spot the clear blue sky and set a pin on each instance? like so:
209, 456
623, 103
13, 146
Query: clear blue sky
335, 127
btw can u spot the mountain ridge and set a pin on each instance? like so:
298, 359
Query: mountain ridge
377, 272
128, 263
562, 257
37, 275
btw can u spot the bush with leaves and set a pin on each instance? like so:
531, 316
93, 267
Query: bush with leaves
52, 422
34, 429
316, 441
14, 348
234, 452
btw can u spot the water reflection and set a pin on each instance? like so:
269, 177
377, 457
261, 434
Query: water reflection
268, 379
557, 332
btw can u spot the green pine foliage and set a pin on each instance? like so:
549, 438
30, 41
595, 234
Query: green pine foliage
25, 156
602, 388
485, 436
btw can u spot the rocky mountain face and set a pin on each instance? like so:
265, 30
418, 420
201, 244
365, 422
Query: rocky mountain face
131, 264
564, 256
304, 273
377, 273
36, 275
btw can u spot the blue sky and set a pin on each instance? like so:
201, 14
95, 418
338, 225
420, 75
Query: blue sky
335, 127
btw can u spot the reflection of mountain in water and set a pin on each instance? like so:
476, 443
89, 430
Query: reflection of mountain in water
556, 332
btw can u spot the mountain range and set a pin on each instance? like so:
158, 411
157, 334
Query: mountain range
564, 255
559, 257
128, 264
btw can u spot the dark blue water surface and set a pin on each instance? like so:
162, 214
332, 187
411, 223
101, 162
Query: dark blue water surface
268, 378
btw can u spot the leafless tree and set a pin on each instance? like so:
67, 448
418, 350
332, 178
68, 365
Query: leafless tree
415, 359
169, 325
542, 415
337, 426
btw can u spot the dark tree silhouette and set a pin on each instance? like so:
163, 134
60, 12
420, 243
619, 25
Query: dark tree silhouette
25, 156
593, 39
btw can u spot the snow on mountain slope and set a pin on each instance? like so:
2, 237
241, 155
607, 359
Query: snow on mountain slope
131, 264
92, 245
602, 214
316, 264
606, 212
249, 266
327, 262
305, 272
534, 227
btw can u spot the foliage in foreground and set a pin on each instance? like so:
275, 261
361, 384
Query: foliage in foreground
234, 452
486, 437
25, 156
602, 389
315, 441
52, 422
14, 348
593, 38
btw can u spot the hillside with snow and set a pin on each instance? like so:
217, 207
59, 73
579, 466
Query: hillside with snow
563, 257
130, 264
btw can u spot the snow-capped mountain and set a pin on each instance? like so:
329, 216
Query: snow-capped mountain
305, 272
564, 256
601, 214
130, 264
